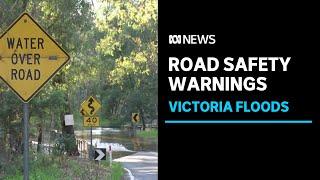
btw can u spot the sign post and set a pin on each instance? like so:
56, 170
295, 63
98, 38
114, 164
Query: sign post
88, 109
29, 58
25, 141
110, 154
91, 145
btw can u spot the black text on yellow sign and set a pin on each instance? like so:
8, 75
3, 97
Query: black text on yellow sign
91, 121
29, 57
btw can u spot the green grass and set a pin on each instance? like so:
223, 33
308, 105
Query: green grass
63, 167
51, 173
117, 171
48, 172
152, 133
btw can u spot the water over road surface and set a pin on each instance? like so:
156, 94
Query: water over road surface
139, 156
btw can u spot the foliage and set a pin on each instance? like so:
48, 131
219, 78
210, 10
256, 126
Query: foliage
41, 167
152, 133
129, 49
117, 171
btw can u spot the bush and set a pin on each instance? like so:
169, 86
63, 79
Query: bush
64, 143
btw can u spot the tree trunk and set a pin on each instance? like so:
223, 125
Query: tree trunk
69, 138
39, 139
142, 119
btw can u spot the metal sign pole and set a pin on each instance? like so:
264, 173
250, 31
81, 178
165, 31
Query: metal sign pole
110, 154
134, 129
25, 142
91, 146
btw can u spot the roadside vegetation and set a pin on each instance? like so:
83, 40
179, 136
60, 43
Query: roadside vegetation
149, 133
62, 167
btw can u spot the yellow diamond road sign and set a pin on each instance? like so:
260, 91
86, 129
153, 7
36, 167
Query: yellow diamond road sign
91, 106
29, 57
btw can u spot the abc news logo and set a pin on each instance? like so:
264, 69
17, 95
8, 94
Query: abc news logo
192, 39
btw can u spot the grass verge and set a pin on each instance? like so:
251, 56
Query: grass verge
152, 133
62, 167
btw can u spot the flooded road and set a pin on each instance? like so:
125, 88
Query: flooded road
121, 143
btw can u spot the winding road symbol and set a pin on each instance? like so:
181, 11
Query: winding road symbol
90, 106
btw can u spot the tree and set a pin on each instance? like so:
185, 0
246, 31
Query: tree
129, 47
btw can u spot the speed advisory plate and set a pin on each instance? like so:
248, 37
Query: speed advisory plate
91, 121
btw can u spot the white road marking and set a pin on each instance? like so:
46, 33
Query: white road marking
130, 174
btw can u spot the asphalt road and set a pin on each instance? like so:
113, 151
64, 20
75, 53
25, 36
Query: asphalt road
140, 166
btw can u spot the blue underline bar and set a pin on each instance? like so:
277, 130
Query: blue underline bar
238, 121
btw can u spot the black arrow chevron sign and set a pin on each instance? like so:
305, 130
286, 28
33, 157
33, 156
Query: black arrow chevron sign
135, 117
100, 154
